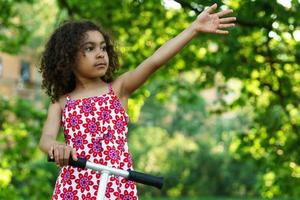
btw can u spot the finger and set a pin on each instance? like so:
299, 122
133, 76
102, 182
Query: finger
65, 162
226, 25
50, 152
74, 155
212, 8
223, 12
221, 32
56, 154
66, 156
227, 19
61, 155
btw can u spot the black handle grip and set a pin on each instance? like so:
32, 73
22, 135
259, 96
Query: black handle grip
147, 179
81, 162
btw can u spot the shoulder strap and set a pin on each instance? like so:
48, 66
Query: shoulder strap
110, 88
68, 97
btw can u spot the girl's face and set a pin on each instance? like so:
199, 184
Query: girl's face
92, 58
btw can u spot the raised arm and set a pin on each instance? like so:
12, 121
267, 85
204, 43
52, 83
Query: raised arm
206, 22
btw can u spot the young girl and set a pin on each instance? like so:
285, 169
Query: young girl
77, 67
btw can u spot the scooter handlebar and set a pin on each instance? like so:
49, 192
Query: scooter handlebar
133, 175
81, 162
147, 179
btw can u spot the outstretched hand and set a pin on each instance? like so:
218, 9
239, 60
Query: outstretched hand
210, 22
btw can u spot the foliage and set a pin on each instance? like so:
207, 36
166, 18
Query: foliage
255, 71
23, 168
25, 24
194, 163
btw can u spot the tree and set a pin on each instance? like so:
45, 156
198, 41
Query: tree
262, 53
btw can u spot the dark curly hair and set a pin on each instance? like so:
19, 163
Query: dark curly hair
60, 54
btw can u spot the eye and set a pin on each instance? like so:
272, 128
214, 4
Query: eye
103, 48
90, 48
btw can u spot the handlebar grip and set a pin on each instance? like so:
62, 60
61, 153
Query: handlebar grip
81, 162
139, 177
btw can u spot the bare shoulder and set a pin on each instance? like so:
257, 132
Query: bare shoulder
54, 107
62, 101
57, 106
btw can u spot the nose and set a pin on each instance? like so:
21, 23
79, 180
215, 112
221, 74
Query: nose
100, 53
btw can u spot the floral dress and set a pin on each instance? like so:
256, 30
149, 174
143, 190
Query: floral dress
97, 128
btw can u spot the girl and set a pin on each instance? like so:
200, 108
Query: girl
77, 67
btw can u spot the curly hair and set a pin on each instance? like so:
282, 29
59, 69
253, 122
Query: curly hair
60, 53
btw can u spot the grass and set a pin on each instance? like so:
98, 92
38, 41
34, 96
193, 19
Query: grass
204, 198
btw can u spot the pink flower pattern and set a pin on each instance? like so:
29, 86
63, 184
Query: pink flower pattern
79, 140
84, 182
119, 124
88, 196
128, 196
96, 128
95, 147
91, 126
74, 121
104, 114
87, 107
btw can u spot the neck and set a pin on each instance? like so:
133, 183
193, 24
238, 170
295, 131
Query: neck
83, 84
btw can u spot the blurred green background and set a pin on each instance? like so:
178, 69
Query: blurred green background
221, 120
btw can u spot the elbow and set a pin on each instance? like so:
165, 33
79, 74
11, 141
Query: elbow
155, 62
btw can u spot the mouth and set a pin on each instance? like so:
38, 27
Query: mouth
100, 65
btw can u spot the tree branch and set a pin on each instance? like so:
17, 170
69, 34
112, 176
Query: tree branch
64, 5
